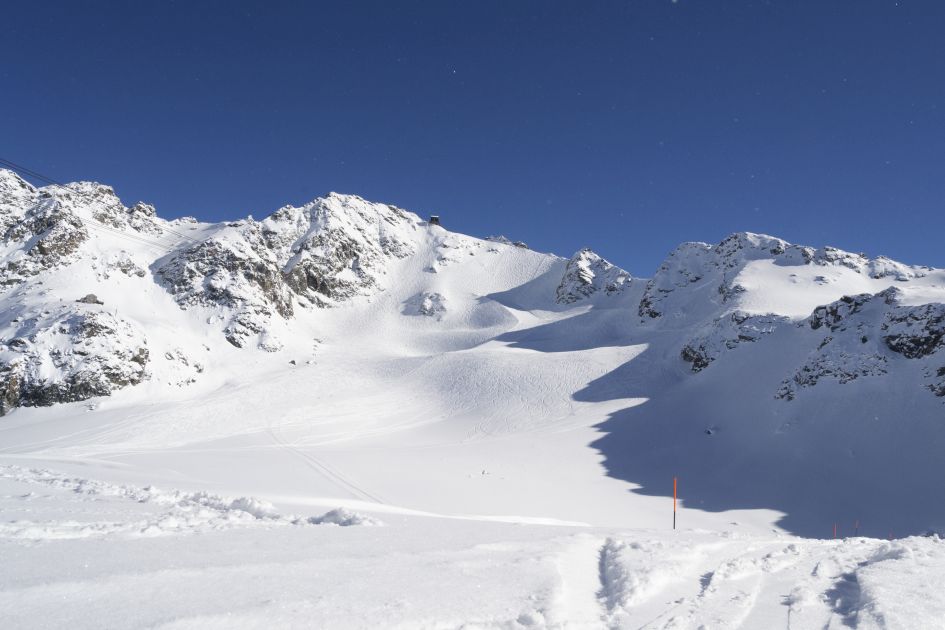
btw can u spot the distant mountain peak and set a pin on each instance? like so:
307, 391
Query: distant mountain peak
588, 273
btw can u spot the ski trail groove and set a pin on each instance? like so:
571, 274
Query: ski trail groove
326, 471
578, 603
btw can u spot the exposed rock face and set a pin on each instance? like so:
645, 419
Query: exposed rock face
336, 248
586, 274
836, 364
937, 386
47, 235
16, 195
46, 227
726, 333
233, 269
865, 334
247, 274
915, 332
106, 208
835, 315
68, 356
325, 252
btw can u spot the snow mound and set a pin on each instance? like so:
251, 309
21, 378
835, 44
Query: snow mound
428, 303
179, 512
344, 518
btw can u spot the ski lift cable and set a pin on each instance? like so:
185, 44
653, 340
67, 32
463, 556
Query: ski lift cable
50, 181
53, 182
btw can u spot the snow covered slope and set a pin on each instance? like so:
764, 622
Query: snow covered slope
347, 354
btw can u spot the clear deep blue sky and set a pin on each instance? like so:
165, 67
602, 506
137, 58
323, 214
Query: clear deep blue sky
625, 126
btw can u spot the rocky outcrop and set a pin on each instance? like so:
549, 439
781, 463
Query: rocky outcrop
586, 274
915, 332
16, 195
937, 386
338, 247
835, 315
71, 355
834, 363
727, 333
48, 236
233, 269
45, 227
866, 335
320, 254
103, 206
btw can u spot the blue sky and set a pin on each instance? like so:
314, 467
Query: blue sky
625, 126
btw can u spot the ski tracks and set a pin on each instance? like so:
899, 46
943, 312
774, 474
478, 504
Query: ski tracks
610, 583
324, 469
707, 581
577, 602
655, 581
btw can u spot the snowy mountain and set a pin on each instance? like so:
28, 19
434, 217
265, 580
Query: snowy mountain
347, 354
247, 279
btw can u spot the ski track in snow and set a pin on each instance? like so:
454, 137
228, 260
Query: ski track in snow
323, 469
619, 583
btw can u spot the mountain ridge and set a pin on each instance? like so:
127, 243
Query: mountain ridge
256, 275
752, 358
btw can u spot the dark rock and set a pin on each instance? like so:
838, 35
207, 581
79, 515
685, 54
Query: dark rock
917, 331
833, 314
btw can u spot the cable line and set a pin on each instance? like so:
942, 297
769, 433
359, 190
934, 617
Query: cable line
99, 224
53, 182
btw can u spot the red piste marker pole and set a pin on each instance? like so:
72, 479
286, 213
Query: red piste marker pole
835, 531
856, 528
674, 503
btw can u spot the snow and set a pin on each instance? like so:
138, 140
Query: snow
177, 512
419, 571
488, 446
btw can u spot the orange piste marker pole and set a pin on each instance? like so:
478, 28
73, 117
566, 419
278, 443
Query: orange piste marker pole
674, 503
